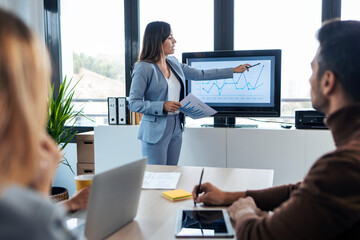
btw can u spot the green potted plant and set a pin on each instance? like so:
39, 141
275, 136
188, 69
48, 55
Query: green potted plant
62, 112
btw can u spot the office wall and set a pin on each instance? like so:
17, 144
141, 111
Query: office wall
30, 11
64, 177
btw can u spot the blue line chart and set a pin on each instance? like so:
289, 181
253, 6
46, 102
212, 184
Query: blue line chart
220, 84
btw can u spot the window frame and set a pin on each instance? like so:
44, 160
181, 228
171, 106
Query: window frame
223, 37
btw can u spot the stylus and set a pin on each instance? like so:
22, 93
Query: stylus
253, 65
198, 189
197, 217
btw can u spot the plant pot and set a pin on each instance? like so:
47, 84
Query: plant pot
59, 194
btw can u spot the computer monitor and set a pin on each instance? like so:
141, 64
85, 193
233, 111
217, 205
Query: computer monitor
253, 93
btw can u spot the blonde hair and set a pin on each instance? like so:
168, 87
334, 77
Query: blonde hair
24, 76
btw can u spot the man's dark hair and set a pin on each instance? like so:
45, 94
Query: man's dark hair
155, 35
339, 52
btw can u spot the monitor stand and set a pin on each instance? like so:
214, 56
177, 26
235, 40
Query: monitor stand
228, 122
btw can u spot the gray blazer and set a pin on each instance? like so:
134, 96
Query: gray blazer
25, 214
149, 90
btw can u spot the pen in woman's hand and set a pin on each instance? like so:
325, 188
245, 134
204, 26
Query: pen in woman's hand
198, 189
253, 65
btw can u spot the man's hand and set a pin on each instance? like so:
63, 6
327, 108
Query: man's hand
78, 201
211, 195
171, 106
243, 209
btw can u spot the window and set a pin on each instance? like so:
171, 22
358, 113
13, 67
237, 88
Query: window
287, 25
93, 45
93, 51
350, 10
191, 22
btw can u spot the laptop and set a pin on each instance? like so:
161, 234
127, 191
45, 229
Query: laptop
113, 200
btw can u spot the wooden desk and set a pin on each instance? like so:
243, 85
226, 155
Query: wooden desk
156, 215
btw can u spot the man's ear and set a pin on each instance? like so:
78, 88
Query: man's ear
328, 83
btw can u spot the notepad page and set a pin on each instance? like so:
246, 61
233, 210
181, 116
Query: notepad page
160, 180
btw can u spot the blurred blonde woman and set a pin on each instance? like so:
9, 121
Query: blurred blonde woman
28, 157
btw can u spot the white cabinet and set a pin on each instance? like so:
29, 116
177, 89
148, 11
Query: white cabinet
290, 153
115, 146
203, 147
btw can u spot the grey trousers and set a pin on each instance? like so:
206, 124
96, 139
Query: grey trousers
167, 150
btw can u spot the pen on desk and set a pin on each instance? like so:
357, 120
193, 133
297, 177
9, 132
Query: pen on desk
198, 189
253, 65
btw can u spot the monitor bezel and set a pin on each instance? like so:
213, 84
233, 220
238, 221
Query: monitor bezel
241, 111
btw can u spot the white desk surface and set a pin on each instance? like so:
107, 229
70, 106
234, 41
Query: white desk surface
156, 215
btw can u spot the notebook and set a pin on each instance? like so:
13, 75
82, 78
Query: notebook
113, 201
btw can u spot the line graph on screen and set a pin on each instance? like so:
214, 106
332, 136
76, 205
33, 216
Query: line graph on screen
251, 86
239, 82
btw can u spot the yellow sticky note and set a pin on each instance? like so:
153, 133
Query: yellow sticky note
176, 195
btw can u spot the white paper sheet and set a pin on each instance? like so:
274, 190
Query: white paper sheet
160, 180
195, 108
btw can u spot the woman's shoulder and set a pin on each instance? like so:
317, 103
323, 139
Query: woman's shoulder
145, 67
25, 201
15, 194
28, 210
144, 64
173, 59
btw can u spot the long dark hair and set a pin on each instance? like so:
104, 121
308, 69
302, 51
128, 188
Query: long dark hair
155, 35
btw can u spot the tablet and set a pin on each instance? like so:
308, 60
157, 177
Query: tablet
203, 224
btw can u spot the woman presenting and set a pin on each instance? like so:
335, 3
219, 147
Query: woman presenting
158, 84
